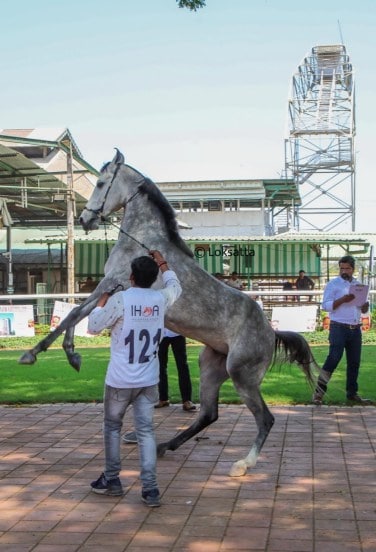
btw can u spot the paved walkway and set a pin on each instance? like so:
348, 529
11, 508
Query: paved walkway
313, 490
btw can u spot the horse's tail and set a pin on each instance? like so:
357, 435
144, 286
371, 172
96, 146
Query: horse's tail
296, 349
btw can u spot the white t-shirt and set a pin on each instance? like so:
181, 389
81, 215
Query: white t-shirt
237, 284
136, 317
345, 313
134, 343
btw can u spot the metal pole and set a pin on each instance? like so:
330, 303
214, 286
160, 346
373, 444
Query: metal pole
370, 267
10, 284
62, 275
49, 262
70, 224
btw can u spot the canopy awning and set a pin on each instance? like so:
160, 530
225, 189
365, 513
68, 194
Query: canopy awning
34, 175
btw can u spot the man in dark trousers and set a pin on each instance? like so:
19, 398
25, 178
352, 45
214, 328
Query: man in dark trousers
179, 349
344, 332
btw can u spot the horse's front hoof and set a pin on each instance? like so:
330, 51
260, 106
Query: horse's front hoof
75, 361
238, 469
161, 449
27, 358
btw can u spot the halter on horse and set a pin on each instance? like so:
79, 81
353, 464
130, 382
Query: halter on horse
239, 341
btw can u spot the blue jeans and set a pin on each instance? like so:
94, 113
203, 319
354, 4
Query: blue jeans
342, 338
116, 402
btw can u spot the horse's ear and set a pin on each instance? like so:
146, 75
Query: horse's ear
119, 158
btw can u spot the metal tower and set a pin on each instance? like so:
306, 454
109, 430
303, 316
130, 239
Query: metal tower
319, 150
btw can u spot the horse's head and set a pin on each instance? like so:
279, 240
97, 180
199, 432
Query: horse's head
106, 197
118, 185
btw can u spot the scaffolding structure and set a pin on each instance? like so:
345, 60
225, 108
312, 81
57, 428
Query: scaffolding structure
319, 149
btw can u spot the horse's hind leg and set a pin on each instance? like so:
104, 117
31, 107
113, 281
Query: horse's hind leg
212, 374
264, 421
248, 388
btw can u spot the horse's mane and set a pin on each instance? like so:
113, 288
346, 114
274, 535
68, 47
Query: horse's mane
153, 193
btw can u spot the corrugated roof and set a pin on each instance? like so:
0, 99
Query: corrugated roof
33, 257
318, 237
111, 234
42, 134
277, 191
33, 176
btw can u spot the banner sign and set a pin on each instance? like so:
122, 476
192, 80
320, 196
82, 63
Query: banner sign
295, 319
16, 321
61, 310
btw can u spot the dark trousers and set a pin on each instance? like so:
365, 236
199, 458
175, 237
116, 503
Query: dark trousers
342, 338
178, 346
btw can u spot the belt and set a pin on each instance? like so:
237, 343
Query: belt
348, 326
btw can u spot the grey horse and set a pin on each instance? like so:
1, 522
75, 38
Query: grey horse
239, 342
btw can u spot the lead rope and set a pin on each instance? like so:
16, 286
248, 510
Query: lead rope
104, 220
108, 221
126, 234
123, 231
114, 290
107, 251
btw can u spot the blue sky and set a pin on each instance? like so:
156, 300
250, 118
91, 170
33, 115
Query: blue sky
184, 95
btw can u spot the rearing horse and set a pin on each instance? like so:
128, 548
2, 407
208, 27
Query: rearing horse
239, 341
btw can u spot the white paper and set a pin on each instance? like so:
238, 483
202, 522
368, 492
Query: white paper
361, 293
61, 310
295, 319
16, 320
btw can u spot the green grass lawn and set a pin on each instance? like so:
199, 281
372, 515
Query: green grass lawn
51, 379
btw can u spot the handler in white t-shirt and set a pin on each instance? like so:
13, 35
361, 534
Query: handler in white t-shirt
136, 318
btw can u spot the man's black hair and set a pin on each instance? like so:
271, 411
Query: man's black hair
347, 259
145, 271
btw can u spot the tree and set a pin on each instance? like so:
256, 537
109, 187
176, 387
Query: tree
192, 5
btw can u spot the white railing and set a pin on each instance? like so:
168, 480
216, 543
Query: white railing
41, 306
288, 297
28, 296
252, 293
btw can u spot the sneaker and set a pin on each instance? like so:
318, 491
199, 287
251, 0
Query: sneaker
358, 400
188, 406
161, 404
151, 498
317, 399
130, 438
110, 487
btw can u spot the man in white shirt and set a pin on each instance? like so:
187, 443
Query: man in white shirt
344, 332
136, 319
235, 282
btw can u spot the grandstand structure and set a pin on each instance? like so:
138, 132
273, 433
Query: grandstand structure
319, 148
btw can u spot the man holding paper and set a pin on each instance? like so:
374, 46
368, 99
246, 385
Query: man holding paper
344, 299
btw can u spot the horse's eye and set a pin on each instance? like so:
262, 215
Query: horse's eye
100, 184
